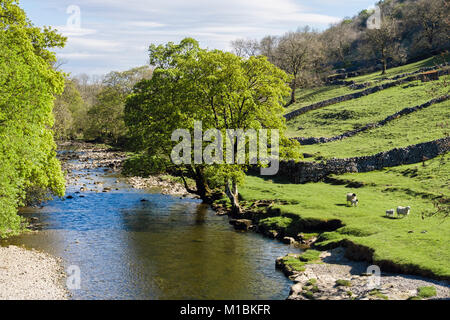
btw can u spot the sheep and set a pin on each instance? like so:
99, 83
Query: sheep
390, 213
355, 202
403, 211
351, 197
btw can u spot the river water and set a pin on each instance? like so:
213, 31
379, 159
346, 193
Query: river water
134, 244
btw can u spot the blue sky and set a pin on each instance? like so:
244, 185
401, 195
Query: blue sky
115, 34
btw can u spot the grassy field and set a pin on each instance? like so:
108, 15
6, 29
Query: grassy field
416, 242
421, 126
424, 243
412, 67
306, 97
342, 117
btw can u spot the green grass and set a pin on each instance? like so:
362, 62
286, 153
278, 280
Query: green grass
297, 263
378, 294
416, 180
353, 114
426, 292
343, 283
415, 242
365, 225
412, 67
309, 96
421, 126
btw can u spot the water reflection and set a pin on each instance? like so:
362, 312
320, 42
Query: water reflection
161, 248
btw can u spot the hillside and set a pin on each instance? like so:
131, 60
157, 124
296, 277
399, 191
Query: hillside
417, 244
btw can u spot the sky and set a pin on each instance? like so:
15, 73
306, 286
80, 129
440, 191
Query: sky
114, 35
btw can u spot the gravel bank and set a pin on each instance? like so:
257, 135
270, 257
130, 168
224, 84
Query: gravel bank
30, 275
334, 266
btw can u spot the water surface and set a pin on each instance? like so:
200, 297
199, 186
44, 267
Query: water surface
161, 248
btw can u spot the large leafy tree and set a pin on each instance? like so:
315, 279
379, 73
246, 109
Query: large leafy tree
28, 84
220, 89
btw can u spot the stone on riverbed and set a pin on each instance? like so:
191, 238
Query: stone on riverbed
241, 224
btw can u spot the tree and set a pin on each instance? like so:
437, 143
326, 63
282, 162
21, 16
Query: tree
68, 109
298, 52
431, 18
28, 84
268, 47
383, 43
220, 89
106, 115
338, 41
245, 48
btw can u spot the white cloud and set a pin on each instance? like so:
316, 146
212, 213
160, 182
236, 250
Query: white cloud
116, 33
79, 56
74, 32
94, 45
146, 24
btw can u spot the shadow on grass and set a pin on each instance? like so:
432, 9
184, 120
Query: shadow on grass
272, 179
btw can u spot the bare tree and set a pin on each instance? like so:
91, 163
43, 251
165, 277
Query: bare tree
297, 52
338, 40
384, 42
245, 48
268, 47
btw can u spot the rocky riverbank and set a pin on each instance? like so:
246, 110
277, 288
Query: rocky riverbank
91, 156
30, 275
334, 277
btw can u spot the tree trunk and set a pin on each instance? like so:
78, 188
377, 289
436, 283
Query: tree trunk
384, 62
202, 186
233, 195
294, 88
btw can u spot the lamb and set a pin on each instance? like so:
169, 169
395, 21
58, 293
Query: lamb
351, 198
390, 213
403, 211
355, 202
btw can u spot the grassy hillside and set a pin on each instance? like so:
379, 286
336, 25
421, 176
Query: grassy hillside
414, 242
421, 126
423, 243
339, 118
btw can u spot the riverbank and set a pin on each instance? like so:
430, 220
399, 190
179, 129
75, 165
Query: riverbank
408, 249
266, 214
122, 238
30, 275
335, 277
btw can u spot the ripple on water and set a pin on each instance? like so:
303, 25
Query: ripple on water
164, 248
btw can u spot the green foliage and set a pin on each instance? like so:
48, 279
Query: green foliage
70, 113
311, 282
28, 84
426, 292
218, 88
106, 117
378, 294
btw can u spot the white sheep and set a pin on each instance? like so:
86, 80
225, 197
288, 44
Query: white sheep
390, 213
403, 211
351, 198
355, 202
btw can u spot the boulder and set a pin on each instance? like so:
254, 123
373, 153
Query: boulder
241, 224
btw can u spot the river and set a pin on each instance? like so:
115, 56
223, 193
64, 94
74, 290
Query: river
135, 244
